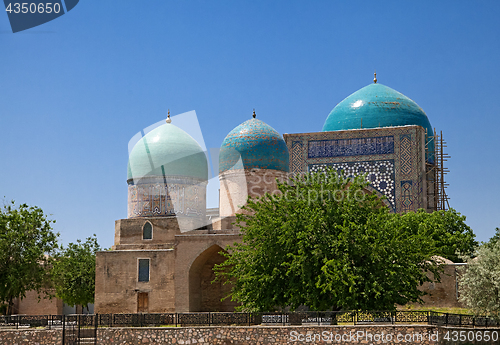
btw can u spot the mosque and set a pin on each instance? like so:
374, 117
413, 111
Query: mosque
165, 250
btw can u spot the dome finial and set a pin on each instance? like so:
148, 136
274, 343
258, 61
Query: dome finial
375, 77
254, 115
168, 117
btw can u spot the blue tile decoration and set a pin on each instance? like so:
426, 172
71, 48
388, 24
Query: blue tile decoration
380, 174
406, 196
405, 154
297, 161
408, 157
253, 144
351, 147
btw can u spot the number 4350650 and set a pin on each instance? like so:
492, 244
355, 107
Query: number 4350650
33, 8
471, 336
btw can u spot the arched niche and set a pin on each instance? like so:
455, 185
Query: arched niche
204, 295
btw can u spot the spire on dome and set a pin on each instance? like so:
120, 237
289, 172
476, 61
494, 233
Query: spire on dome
254, 115
168, 117
375, 77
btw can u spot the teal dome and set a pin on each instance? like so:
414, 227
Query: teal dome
167, 151
375, 106
257, 144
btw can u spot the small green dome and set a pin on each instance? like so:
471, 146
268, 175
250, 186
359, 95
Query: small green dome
167, 151
375, 106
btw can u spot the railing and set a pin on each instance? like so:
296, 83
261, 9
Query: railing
84, 325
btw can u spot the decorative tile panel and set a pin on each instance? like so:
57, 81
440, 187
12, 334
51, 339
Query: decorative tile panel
403, 146
380, 174
406, 196
160, 199
405, 154
297, 157
351, 147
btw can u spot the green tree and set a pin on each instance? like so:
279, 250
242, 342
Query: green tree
326, 243
26, 241
479, 282
494, 239
452, 237
73, 272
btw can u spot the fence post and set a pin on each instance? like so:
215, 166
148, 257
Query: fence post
63, 328
175, 319
96, 320
209, 318
446, 319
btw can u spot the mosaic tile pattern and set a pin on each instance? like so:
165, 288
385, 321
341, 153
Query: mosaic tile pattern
156, 200
380, 174
406, 196
408, 157
297, 152
351, 147
405, 154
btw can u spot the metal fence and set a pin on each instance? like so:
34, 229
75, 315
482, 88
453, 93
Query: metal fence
85, 325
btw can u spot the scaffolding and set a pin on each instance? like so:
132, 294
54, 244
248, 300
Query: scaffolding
437, 199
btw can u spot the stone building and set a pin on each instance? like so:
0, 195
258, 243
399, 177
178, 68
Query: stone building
165, 250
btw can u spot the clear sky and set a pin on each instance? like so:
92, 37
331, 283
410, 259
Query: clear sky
74, 91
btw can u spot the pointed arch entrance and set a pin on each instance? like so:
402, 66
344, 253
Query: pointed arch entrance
203, 294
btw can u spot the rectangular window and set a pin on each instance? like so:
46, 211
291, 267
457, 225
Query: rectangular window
143, 270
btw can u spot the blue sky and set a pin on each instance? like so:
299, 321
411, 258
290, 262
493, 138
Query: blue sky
74, 91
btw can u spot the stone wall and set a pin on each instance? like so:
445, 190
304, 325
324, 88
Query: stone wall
260, 335
31, 337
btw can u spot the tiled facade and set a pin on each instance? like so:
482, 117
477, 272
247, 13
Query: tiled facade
393, 159
155, 197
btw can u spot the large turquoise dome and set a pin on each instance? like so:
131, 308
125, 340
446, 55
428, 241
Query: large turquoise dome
257, 144
374, 106
167, 151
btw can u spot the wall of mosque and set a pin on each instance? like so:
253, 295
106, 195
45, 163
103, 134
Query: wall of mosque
119, 288
393, 159
237, 185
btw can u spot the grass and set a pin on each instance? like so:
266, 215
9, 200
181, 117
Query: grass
451, 310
